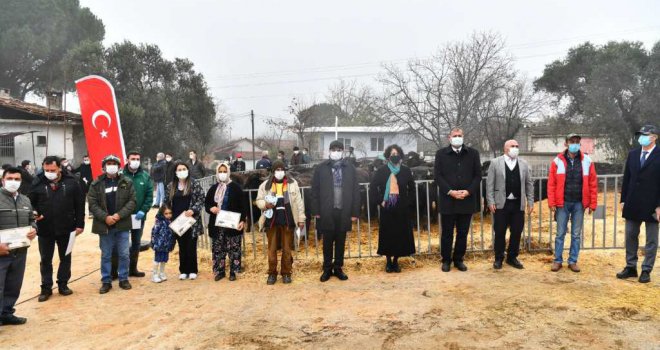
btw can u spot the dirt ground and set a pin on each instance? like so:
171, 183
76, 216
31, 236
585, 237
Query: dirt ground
419, 308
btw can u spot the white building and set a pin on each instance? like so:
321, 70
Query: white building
367, 141
30, 132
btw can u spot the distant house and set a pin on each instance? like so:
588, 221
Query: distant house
367, 141
30, 132
242, 146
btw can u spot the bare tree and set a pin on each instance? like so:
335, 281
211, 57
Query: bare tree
450, 89
278, 128
358, 104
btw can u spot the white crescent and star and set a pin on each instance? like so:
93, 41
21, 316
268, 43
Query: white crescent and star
104, 134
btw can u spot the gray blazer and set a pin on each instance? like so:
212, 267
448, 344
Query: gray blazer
496, 184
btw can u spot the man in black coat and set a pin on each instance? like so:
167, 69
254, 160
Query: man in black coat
84, 170
458, 176
58, 199
335, 204
640, 198
26, 176
197, 170
169, 170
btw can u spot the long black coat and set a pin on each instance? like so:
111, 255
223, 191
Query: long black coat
641, 186
323, 196
63, 209
236, 204
458, 172
395, 231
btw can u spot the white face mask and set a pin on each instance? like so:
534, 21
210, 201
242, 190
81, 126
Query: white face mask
182, 174
50, 176
513, 152
111, 169
222, 177
295, 152
336, 155
304, 152
134, 164
64, 165
86, 162
240, 159
192, 157
12, 185
279, 174
457, 141
168, 159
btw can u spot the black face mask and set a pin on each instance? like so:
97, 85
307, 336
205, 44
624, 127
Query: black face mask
395, 159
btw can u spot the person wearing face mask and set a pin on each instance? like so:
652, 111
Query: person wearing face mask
458, 175
393, 186
225, 195
15, 211
144, 193
186, 196
59, 201
264, 162
238, 164
572, 189
306, 159
287, 211
197, 170
84, 170
169, 170
27, 176
297, 157
158, 176
336, 205
509, 190
111, 200
640, 199
66, 165
281, 156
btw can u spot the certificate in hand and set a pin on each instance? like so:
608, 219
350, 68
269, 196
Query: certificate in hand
16, 237
228, 219
182, 224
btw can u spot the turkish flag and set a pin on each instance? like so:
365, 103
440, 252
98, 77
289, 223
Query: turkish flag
100, 116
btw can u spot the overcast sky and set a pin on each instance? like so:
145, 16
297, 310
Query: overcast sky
259, 54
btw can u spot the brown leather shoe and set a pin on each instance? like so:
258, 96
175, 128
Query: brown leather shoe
555, 267
574, 267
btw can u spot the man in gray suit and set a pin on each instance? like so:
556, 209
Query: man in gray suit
509, 188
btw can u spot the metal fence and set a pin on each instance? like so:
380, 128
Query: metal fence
601, 230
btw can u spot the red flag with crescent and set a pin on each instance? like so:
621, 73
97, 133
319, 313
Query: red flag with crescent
100, 116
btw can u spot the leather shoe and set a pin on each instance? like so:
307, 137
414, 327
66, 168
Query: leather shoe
105, 288
645, 277
271, 280
65, 291
627, 272
325, 276
556, 266
396, 268
497, 265
125, 285
515, 263
219, 276
574, 267
460, 266
12, 320
45, 295
232, 276
286, 279
340, 274
446, 266
388, 267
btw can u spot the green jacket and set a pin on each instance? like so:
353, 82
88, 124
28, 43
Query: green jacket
144, 189
125, 203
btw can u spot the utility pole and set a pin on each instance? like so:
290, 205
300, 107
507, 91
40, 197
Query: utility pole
253, 155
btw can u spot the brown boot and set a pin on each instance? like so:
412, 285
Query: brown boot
574, 267
555, 267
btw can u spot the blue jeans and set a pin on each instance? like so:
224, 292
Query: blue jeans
574, 211
160, 194
118, 241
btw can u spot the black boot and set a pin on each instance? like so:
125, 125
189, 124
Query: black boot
133, 271
45, 294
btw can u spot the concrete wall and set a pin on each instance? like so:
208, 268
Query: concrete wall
362, 143
72, 145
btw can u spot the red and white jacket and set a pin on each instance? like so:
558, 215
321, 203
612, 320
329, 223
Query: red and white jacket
557, 180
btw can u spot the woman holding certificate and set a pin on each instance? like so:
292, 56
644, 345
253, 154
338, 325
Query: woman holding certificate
186, 198
225, 202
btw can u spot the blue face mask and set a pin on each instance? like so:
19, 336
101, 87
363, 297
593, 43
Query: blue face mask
644, 140
574, 147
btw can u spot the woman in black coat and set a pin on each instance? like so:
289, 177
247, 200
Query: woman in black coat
225, 195
392, 186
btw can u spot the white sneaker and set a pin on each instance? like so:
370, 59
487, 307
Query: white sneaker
183, 276
163, 276
193, 276
156, 278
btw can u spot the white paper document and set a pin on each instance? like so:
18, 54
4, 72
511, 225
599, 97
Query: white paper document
72, 240
137, 224
16, 237
228, 219
182, 224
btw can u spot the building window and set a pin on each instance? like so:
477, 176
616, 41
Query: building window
41, 141
377, 144
346, 142
6, 146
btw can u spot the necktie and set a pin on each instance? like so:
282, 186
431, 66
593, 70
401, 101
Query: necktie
643, 160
